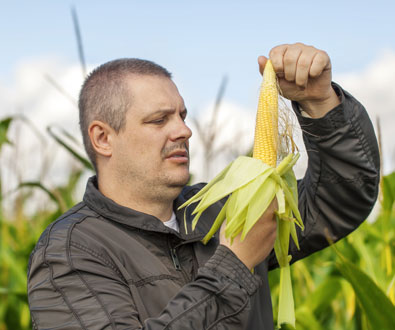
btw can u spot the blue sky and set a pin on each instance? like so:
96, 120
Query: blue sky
199, 41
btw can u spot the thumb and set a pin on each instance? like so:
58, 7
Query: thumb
262, 60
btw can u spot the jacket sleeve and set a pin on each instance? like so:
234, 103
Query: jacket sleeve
74, 288
340, 186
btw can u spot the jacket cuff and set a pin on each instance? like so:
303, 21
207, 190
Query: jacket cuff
225, 262
333, 120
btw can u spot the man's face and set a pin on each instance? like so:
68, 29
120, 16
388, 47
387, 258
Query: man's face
151, 152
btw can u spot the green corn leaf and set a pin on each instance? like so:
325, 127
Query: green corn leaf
305, 319
388, 187
378, 308
322, 297
4, 126
83, 160
39, 185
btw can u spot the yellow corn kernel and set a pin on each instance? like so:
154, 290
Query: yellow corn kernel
266, 127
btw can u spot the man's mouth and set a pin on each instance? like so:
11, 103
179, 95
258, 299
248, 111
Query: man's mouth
180, 156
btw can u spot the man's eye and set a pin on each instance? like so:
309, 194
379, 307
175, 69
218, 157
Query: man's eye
158, 121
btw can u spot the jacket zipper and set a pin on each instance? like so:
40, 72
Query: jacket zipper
176, 261
174, 256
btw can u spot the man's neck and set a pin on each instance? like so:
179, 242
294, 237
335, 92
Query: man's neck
154, 205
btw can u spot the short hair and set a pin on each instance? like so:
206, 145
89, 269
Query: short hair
105, 95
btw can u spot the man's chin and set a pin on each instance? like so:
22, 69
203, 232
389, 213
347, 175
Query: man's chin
179, 182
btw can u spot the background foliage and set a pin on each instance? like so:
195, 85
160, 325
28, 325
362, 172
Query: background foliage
349, 286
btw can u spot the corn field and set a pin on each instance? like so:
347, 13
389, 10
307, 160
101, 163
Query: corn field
350, 285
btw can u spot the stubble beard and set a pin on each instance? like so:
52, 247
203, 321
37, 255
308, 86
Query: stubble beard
163, 187
176, 183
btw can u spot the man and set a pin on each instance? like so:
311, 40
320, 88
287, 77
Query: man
122, 258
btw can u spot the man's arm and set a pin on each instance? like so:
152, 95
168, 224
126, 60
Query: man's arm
341, 183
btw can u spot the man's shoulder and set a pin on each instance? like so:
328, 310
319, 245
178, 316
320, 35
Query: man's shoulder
59, 230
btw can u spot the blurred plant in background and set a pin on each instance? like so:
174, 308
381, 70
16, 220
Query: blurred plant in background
348, 286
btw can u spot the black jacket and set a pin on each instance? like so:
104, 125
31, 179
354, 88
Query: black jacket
104, 266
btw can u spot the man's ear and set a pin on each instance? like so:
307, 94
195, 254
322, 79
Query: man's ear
101, 136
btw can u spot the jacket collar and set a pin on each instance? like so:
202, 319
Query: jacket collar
139, 220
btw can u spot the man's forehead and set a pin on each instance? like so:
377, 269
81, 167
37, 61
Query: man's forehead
153, 89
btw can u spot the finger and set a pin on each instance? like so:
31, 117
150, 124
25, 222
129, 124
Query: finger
262, 60
321, 62
291, 58
276, 55
303, 68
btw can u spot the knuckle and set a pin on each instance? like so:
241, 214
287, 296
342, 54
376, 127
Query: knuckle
303, 63
277, 50
299, 45
321, 58
300, 82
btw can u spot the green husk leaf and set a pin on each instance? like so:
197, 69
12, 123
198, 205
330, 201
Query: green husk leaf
289, 198
197, 197
195, 220
234, 179
294, 235
292, 184
217, 224
281, 254
286, 310
241, 198
259, 203
288, 165
284, 164
283, 235
280, 200
236, 227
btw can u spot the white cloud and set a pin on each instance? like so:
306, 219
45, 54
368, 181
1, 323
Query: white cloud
374, 87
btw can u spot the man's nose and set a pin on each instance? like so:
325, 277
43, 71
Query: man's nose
181, 131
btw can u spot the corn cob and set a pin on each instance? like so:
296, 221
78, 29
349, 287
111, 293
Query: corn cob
251, 184
266, 129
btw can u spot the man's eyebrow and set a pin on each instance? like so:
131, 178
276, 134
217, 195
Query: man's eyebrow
165, 112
